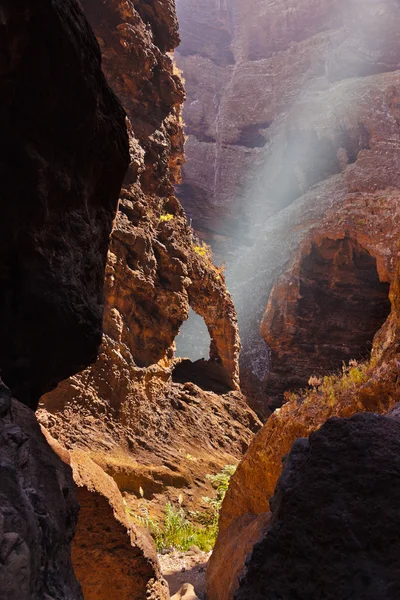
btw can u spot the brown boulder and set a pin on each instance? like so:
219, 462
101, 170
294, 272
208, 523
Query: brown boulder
335, 518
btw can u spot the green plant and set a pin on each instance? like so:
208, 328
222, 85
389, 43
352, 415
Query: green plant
176, 530
220, 482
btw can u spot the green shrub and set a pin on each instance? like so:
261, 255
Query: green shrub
177, 531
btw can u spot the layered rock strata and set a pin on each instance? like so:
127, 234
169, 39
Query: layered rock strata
334, 517
292, 117
63, 155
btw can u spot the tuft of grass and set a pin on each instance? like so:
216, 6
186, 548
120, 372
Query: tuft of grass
333, 388
177, 531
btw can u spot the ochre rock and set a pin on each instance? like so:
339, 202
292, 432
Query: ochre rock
335, 518
254, 481
38, 511
63, 155
155, 272
112, 556
151, 435
227, 562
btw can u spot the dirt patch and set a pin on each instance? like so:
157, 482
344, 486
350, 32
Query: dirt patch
185, 567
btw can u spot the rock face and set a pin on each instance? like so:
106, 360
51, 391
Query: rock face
147, 427
335, 518
38, 511
228, 565
127, 564
292, 118
63, 155
255, 479
361, 389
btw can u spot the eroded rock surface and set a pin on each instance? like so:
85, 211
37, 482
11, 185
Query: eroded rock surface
334, 524
63, 155
112, 555
228, 561
293, 126
38, 511
254, 482
151, 435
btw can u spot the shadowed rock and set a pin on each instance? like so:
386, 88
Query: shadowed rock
335, 521
63, 155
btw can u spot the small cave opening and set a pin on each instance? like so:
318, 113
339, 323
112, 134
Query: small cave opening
193, 364
342, 304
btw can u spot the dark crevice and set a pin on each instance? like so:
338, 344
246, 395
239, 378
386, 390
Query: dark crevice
342, 304
251, 136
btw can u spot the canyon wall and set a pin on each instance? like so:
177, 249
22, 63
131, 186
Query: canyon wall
292, 175
63, 155
154, 425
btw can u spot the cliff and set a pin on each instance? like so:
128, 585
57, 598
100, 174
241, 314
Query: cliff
154, 424
339, 546
63, 155
292, 158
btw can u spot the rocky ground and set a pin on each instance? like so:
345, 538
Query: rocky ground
179, 568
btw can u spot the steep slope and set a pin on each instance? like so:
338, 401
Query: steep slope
293, 150
155, 437
63, 154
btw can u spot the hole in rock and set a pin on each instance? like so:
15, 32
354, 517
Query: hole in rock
342, 303
193, 340
193, 347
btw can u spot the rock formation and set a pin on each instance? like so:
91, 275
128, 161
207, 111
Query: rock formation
375, 388
293, 125
111, 554
136, 412
63, 154
38, 512
334, 522
234, 544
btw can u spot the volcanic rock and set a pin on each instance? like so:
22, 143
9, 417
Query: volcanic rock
38, 512
228, 560
63, 155
335, 517
127, 562
155, 437
291, 174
